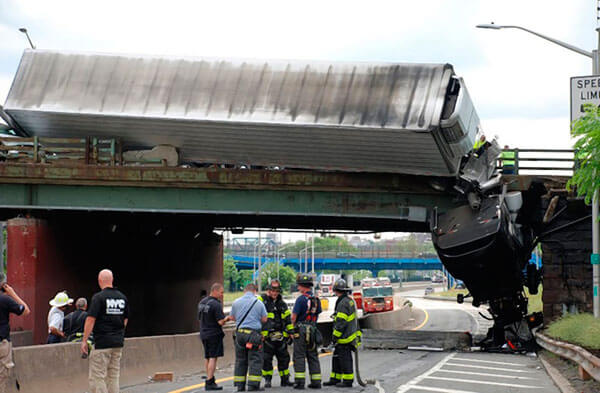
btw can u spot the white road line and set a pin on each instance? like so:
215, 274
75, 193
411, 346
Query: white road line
489, 368
512, 385
441, 390
486, 374
492, 362
413, 382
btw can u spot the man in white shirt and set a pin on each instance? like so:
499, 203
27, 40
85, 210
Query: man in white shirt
56, 317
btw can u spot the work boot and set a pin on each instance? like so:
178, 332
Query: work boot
314, 385
267, 382
299, 385
241, 388
344, 384
255, 388
285, 381
212, 385
331, 382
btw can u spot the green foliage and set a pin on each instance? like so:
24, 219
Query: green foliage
578, 329
586, 130
231, 275
287, 275
322, 244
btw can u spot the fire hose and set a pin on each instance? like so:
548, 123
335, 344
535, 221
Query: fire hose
357, 370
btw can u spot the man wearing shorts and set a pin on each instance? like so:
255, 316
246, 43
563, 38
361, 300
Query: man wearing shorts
210, 314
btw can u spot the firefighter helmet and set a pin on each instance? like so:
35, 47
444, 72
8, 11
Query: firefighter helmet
304, 279
340, 285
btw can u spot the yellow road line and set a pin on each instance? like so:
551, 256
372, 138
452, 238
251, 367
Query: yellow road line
424, 322
201, 385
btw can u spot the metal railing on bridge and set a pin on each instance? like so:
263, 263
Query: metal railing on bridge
538, 161
331, 254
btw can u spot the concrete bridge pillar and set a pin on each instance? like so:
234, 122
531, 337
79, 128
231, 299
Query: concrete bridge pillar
162, 272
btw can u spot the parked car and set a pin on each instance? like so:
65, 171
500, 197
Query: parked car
428, 291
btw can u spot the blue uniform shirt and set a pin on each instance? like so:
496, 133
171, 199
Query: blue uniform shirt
301, 307
243, 304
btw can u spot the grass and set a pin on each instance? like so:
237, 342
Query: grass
450, 293
535, 301
578, 329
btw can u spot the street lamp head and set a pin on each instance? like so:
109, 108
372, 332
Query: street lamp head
23, 30
489, 26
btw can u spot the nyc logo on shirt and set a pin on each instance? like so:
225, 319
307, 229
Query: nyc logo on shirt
115, 306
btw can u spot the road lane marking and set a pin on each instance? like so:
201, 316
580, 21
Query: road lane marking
512, 385
201, 385
441, 390
486, 374
424, 322
489, 368
492, 362
412, 384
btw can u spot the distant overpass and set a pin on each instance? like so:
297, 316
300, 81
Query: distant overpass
372, 264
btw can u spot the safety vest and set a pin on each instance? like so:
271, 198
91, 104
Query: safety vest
278, 316
345, 323
508, 158
478, 144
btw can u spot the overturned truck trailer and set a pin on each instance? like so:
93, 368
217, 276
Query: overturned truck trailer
395, 118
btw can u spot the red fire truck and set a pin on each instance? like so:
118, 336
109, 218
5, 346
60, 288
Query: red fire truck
376, 295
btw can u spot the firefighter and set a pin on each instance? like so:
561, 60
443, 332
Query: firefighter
277, 333
346, 337
306, 335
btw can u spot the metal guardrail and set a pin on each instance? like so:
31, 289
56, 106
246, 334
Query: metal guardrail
526, 160
337, 254
583, 358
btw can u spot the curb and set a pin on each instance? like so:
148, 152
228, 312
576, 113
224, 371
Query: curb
446, 299
559, 380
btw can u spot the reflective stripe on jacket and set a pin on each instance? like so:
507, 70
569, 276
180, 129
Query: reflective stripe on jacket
345, 324
279, 317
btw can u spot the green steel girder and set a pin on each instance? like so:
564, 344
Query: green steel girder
389, 205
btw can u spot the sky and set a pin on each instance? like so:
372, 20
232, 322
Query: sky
520, 84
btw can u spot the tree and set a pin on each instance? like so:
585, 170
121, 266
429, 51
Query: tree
231, 274
287, 275
587, 153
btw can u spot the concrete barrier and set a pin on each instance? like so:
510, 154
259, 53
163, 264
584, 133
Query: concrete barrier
390, 320
22, 338
60, 368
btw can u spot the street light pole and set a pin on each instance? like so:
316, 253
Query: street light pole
594, 55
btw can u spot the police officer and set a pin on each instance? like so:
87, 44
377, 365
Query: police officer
249, 313
306, 336
277, 332
346, 337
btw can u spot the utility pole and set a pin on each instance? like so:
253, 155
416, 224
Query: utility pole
259, 260
595, 257
312, 257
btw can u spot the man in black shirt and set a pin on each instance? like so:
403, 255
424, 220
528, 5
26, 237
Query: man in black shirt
107, 318
210, 314
10, 303
74, 322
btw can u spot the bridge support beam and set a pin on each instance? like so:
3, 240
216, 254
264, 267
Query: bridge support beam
162, 267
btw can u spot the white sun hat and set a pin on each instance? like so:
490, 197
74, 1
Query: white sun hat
61, 299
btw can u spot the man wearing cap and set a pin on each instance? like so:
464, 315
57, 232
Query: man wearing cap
10, 303
277, 332
107, 318
306, 336
56, 317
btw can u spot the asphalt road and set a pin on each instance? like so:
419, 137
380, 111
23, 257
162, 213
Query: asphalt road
414, 371
409, 372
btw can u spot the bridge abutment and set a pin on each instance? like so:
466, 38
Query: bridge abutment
163, 266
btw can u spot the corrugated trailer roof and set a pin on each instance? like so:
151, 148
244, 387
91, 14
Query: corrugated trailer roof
339, 116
